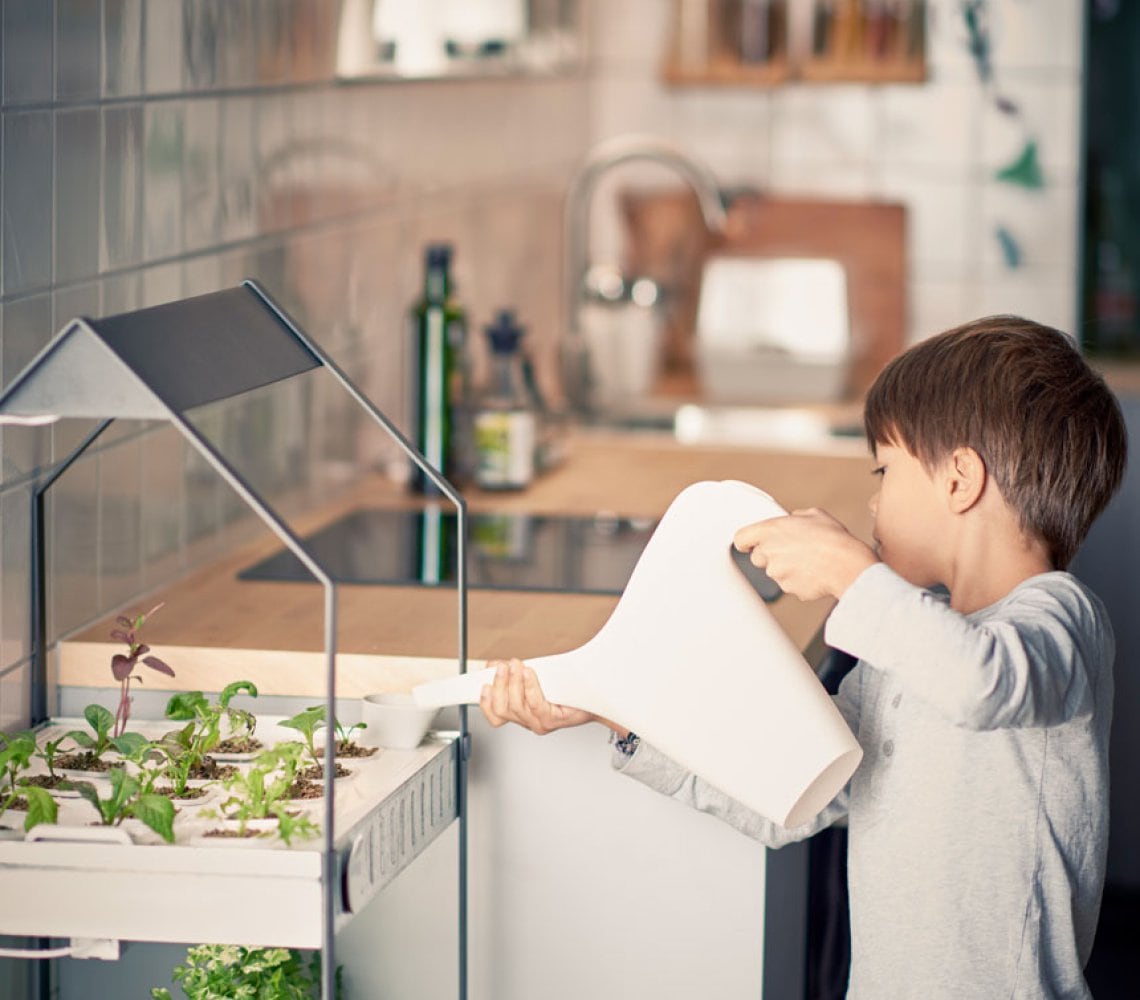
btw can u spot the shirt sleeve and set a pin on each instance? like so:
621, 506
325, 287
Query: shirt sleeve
1024, 665
661, 773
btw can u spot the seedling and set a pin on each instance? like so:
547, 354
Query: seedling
42, 808
307, 723
193, 706
128, 799
212, 971
49, 754
262, 792
123, 664
99, 740
15, 756
184, 752
344, 733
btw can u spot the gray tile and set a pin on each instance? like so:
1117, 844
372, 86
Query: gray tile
16, 707
122, 293
162, 184
26, 63
122, 216
162, 283
74, 301
201, 188
15, 577
201, 275
78, 49
120, 522
202, 26
122, 48
238, 182
77, 194
237, 63
273, 31
27, 201
27, 327
163, 44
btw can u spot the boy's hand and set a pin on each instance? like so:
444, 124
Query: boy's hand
516, 696
808, 553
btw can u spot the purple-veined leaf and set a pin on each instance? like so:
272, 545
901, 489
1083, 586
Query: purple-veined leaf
140, 649
121, 666
156, 664
124, 621
118, 633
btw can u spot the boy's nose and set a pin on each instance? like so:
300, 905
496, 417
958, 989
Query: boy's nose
873, 503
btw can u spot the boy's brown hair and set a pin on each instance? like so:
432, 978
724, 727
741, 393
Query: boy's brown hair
1049, 430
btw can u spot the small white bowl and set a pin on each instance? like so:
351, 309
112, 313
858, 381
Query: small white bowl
394, 721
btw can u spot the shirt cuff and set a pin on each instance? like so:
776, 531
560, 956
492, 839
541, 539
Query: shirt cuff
864, 612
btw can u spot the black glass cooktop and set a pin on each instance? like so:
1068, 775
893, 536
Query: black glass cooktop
589, 555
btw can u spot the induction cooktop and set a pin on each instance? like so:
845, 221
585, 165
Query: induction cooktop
588, 555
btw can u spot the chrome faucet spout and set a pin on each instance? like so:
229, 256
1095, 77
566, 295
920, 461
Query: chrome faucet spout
576, 233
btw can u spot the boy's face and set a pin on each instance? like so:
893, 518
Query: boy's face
910, 516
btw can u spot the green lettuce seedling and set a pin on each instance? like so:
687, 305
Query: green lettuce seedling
100, 740
128, 799
307, 723
193, 706
261, 792
15, 756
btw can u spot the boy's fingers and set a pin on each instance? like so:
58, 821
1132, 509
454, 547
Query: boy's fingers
486, 708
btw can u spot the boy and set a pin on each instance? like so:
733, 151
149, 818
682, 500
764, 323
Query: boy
979, 814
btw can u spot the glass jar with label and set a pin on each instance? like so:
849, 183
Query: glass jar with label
505, 423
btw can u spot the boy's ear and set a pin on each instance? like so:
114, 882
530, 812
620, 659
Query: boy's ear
966, 476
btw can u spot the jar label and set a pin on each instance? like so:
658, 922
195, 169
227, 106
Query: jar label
504, 443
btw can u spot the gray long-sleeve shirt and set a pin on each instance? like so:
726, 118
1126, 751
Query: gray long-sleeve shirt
979, 814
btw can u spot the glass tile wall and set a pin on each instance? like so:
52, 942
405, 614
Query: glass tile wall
155, 150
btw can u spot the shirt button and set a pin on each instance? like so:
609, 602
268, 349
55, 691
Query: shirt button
889, 747
896, 699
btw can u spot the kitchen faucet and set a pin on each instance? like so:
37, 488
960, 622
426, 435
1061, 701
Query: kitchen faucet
575, 360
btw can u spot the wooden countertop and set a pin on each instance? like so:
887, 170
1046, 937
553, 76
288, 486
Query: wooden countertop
216, 628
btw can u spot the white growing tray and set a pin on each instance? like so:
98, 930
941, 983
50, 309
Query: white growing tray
235, 892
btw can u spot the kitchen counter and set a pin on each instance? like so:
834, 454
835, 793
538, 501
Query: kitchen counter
216, 628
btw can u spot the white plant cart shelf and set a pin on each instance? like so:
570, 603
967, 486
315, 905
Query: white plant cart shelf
172, 363
257, 892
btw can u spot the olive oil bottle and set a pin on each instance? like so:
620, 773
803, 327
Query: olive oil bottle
439, 332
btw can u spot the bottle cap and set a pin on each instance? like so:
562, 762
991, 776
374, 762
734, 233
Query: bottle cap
438, 255
505, 333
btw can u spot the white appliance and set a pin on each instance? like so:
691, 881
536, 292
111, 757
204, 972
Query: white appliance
772, 330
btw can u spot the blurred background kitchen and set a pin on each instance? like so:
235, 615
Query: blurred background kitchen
957, 157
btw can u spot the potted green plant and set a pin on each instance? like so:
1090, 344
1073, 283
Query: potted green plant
50, 753
262, 792
94, 744
346, 745
37, 804
128, 800
184, 759
194, 706
307, 723
230, 972
240, 741
123, 664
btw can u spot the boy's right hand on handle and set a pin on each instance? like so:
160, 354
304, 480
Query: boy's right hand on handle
516, 696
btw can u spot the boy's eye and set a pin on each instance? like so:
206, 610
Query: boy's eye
878, 470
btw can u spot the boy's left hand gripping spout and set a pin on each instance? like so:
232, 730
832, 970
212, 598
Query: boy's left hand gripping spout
808, 553
516, 696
